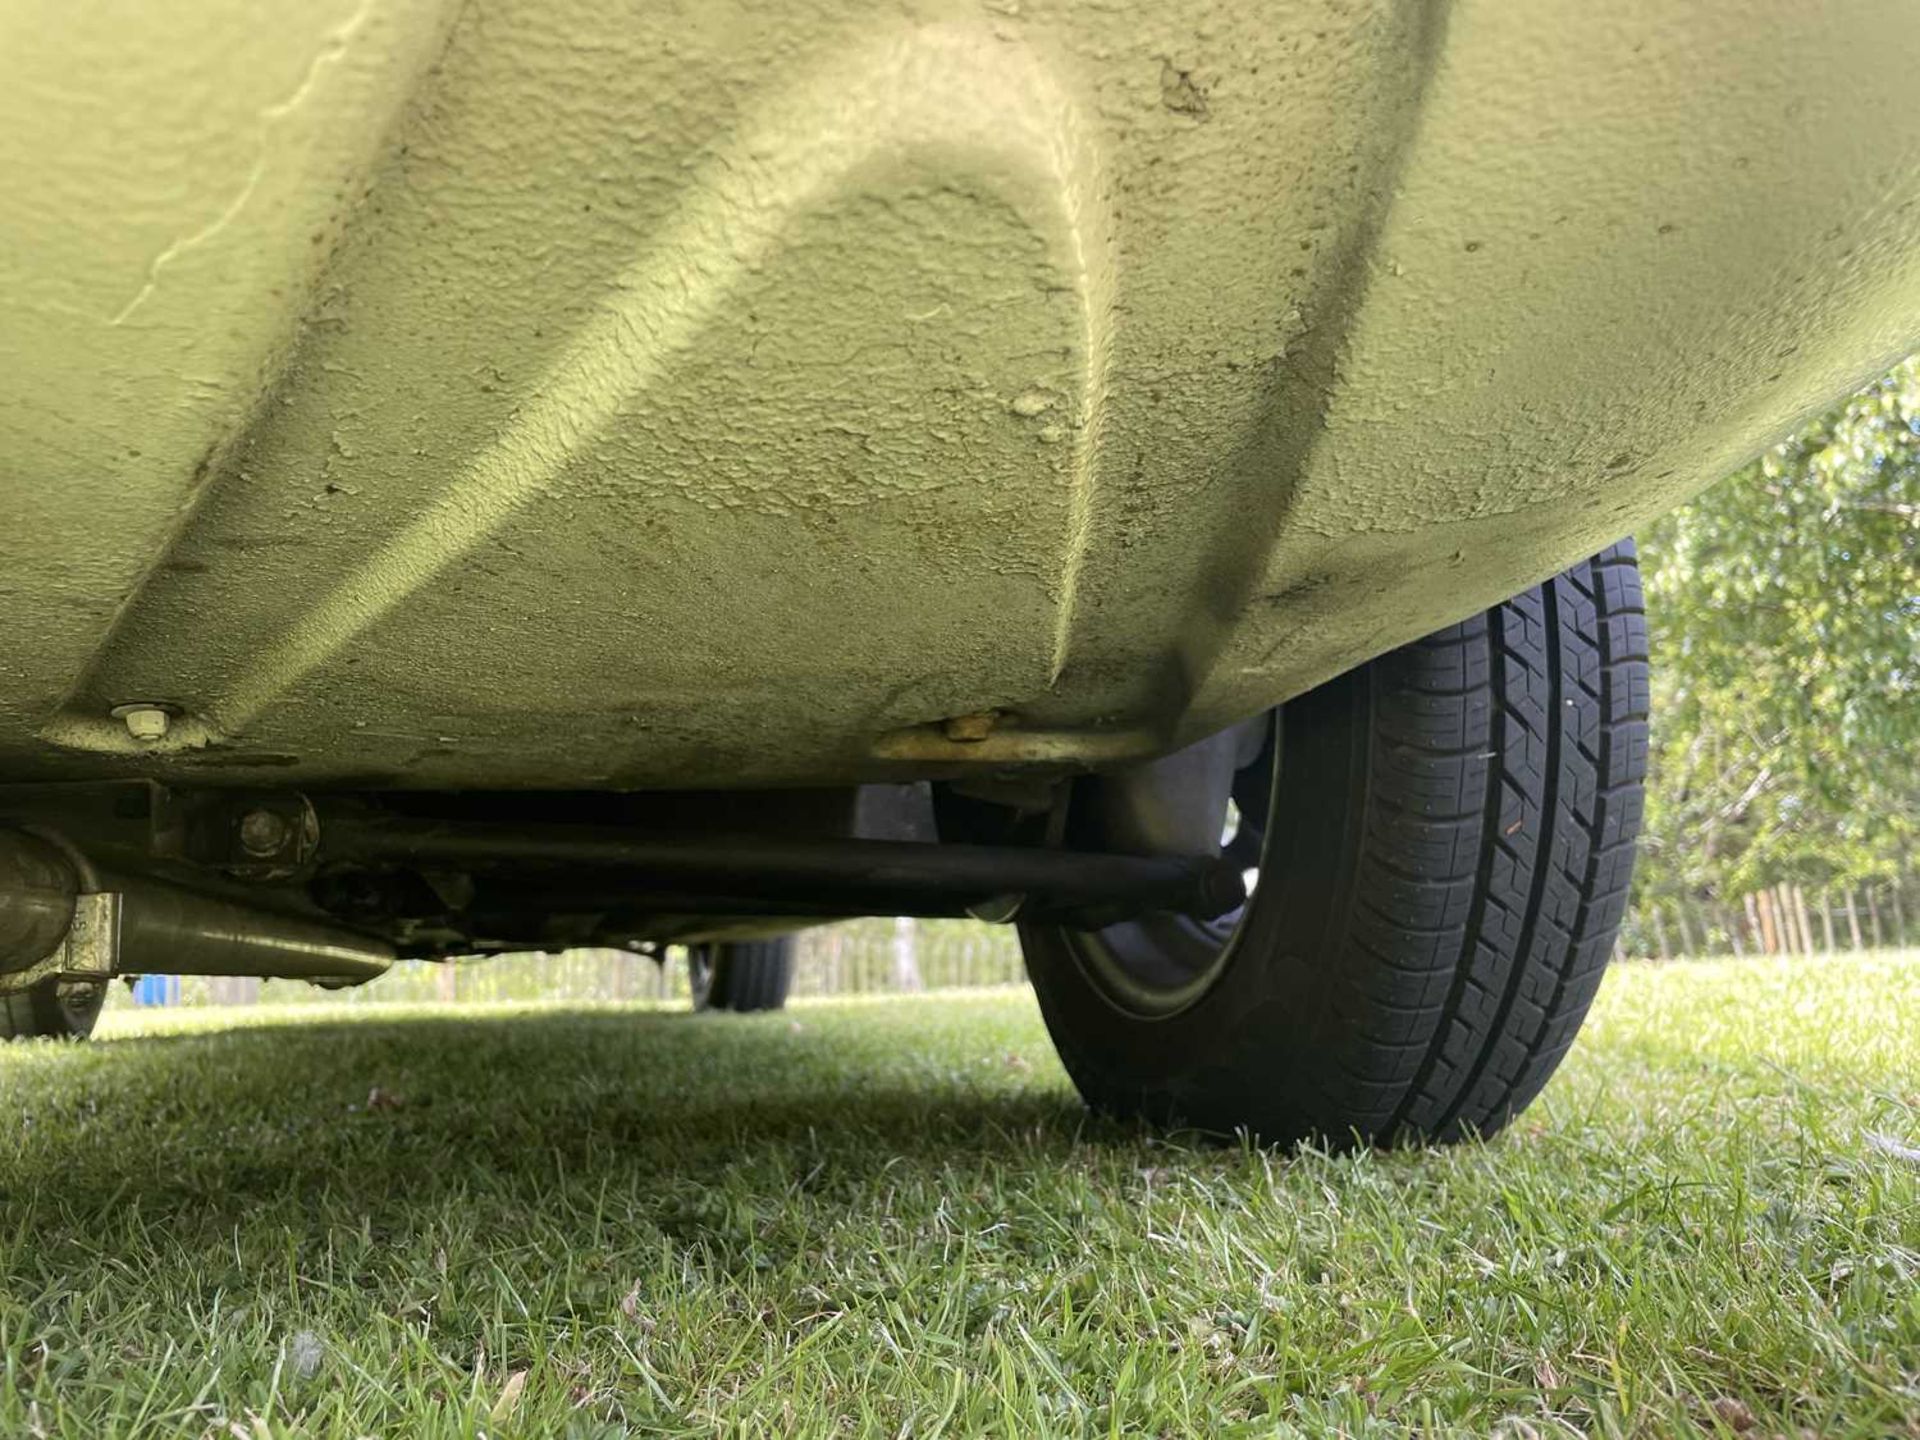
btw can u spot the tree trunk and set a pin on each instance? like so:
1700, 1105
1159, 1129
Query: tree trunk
1731, 927
1873, 920
1853, 921
1826, 918
906, 960
1806, 923
1899, 917
1770, 933
1660, 933
1687, 947
1755, 928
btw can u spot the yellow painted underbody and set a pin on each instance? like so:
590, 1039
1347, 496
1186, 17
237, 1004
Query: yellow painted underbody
539, 392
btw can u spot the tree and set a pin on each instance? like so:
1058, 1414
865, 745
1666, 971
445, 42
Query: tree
1785, 615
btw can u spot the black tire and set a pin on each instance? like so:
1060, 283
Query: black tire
62, 1010
1449, 838
741, 975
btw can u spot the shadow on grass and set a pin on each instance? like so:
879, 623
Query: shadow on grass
388, 1122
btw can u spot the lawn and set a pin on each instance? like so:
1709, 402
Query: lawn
892, 1218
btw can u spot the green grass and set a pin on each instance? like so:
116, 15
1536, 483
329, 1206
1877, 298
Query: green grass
892, 1218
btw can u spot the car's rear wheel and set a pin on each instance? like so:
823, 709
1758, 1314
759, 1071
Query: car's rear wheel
61, 1009
1440, 844
741, 975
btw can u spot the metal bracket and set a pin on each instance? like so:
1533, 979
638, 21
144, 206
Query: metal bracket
91, 950
247, 834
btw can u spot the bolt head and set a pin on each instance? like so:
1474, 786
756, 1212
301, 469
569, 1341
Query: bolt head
144, 722
264, 832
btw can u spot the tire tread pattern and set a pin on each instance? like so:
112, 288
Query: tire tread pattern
751, 975
1489, 926
1451, 859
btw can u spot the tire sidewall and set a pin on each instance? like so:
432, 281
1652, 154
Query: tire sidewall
1226, 1059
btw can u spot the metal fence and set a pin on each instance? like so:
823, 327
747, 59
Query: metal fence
855, 957
884, 956
1775, 920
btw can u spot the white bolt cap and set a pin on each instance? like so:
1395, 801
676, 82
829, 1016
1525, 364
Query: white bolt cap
145, 722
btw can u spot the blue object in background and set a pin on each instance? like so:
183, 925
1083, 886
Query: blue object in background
157, 990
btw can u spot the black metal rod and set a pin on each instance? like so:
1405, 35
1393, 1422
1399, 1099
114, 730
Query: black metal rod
823, 869
619, 893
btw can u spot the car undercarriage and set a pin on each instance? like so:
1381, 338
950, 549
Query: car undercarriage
495, 476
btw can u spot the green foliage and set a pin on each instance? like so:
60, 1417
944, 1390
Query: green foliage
1785, 611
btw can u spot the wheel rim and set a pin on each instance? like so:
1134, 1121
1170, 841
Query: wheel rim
79, 1002
699, 975
1156, 966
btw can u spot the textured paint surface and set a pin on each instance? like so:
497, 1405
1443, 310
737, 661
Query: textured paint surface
508, 393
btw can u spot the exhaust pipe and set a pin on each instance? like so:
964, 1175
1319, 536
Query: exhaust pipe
58, 917
165, 930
